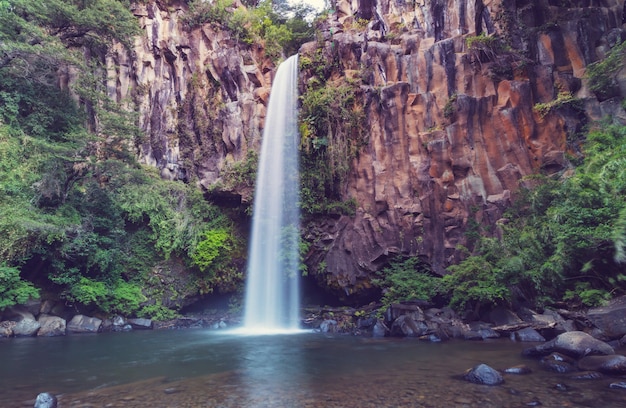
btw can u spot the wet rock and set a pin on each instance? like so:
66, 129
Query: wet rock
586, 375
328, 326
557, 366
26, 328
6, 328
140, 324
518, 369
483, 374
612, 364
84, 324
561, 387
46, 400
379, 330
51, 326
576, 344
405, 326
611, 319
501, 316
528, 334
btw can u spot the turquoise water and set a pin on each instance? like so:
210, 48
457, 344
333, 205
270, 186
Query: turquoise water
203, 368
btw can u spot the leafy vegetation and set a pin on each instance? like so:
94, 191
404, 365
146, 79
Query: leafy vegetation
282, 28
78, 215
332, 131
602, 74
563, 99
408, 279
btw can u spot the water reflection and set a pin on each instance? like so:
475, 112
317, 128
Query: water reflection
195, 368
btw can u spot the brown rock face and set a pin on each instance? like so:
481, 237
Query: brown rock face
200, 94
452, 127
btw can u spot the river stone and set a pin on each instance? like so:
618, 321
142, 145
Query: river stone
51, 326
483, 374
406, 326
587, 375
518, 369
6, 328
84, 324
26, 328
45, 400
142, 324
576, 344
611, 319
557, 366
612, 364
328, 326
379, 330
528, 334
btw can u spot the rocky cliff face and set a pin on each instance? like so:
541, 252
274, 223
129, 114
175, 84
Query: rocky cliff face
201, 95
452, 129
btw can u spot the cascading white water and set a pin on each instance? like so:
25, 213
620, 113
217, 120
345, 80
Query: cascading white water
272, 290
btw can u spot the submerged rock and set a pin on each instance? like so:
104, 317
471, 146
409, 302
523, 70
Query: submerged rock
45, 400
483, 374
612, 364
576, 344
518, 369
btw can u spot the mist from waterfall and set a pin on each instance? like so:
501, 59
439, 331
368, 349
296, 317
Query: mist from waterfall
272, 300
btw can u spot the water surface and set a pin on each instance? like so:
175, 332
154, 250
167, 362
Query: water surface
204, 368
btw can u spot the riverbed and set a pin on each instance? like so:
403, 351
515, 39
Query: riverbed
212, 368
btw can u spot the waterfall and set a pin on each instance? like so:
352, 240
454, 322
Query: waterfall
272, 291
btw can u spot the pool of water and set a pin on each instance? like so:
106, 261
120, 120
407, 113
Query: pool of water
203, 368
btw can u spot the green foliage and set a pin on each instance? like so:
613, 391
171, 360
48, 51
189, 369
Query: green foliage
407, 279
77, 211
332, 131
157, 312
602, 75
564, 239
476, 281
267, 23
214, 244
563, 99
14, 290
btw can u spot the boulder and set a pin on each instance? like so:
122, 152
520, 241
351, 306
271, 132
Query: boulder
576, 344
51, 326
45, 400
6, 328
557, 365
612, 364
379, 330
141, 324
26, 328
501, 316
528, 334
406, 326
328, 326
611, 319
84, 324
483, 374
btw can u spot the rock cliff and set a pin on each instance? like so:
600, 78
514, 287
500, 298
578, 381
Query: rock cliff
452, 125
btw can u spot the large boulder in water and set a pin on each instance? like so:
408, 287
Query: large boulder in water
84, 324
483, 374
576, 344
611, 364
610, 319
26, 328
51, 326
